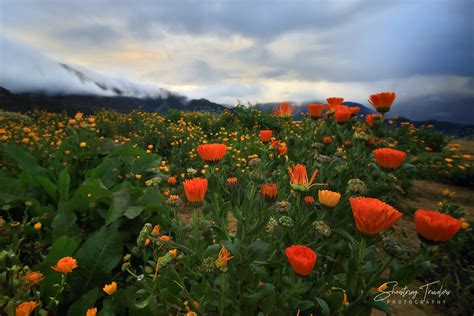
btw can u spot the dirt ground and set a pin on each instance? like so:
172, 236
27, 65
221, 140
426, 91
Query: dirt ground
426, 195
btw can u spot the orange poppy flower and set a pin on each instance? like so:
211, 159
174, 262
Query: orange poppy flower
232, 181
436, 226
223, 258
342, 115
354, 110
281, 147
285, 110
315, 110
309, 200
269, 191
266, 135
382, 102
334, 101
91, 311
332, 108
65, 265
328, 198
327, 139
389, 158
172, 180
299, 178
34, 278
26, 308
372, 216
110, 288
212, 152
372, 118
195, 189
302, 259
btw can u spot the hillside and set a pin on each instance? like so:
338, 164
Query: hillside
89, 104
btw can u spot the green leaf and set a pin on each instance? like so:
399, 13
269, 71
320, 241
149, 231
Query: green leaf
97, 257
105, 172
324, 306
258, 250
64, 181
64, 223
85, 302
89, 191
381, 305
24, 160
263, 291
133, 211
119, 205
344, 234
47, 185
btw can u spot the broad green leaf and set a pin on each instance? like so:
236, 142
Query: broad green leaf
133, 211
97, 257
64, 181
85, 302
24, 160
324, 306
64, 223
119, 205
91, 191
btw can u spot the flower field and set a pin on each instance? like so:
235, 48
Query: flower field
237, 213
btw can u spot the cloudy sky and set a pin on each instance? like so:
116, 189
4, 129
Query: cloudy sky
249, 50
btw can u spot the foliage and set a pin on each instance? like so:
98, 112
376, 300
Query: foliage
99, 188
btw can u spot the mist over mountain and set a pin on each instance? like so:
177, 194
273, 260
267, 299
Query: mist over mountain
24, 69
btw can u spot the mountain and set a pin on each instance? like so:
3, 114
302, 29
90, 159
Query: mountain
70, 103
444, 107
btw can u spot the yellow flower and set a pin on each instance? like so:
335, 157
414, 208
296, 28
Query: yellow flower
38, 226
91, 311
328, 198
110, 288
83, 144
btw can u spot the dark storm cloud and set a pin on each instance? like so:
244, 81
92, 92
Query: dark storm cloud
189, 42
